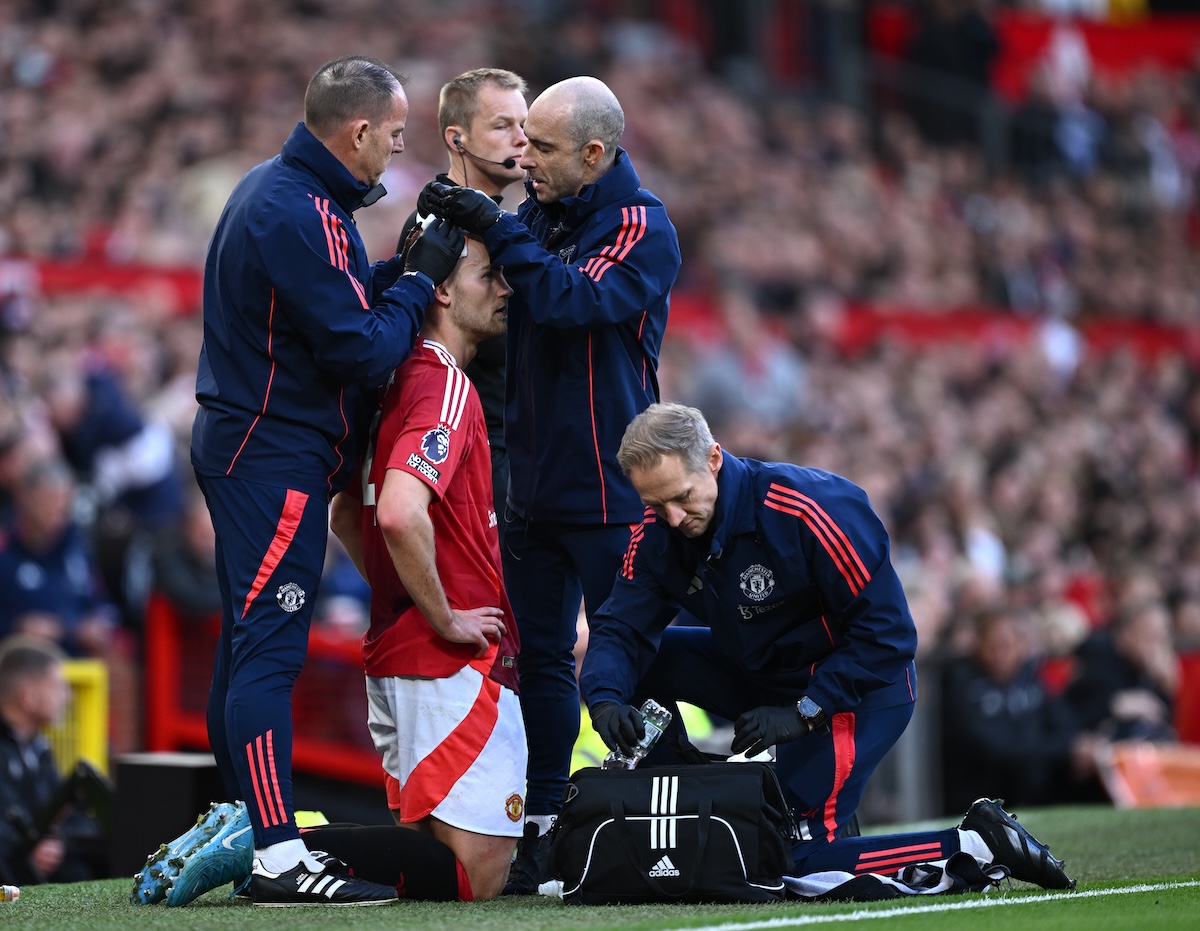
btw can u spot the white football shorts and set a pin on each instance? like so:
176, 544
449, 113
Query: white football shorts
454, 748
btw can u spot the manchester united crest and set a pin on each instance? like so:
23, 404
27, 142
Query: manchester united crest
290, 597
514, 807
757, 582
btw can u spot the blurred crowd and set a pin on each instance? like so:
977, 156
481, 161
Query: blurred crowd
1031, 478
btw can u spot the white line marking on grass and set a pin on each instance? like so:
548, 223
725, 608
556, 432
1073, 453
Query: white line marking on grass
869, 914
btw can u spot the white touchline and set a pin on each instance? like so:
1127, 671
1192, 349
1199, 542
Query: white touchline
869, 914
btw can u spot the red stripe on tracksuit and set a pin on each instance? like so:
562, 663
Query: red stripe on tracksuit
635, 539
433, 778
633, 228
826, 530
338, 242
841, 726
891, 859
260, 754
595, 438
285, 532
270, 380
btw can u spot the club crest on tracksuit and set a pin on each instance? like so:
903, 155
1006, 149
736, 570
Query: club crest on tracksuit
757, 582
290, 597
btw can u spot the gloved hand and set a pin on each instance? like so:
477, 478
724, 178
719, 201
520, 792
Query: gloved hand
436, 251
473, 210
766, 726
619, 726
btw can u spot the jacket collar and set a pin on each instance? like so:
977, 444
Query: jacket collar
735, 512
304, 150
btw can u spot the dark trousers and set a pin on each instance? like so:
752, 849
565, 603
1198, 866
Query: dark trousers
548, 568
270, 552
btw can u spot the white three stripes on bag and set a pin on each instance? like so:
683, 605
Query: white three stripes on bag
664, 797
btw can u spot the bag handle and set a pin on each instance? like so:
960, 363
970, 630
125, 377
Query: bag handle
704, 820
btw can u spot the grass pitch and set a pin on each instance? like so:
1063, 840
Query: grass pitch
1136, 869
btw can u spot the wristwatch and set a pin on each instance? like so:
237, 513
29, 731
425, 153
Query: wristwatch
812, 715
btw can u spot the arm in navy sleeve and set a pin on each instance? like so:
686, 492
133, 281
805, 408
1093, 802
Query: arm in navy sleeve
849, 554
358, 339
632, 266
625, 634
384, 274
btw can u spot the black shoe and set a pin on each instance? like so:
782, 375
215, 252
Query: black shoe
1027, 858
529, 865
301, 886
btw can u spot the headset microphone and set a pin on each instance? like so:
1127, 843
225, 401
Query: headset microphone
507, 163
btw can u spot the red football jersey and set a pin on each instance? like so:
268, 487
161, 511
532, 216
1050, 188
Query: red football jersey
431, 425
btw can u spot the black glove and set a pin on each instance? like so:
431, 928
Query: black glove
763, 727
473, 210
619, 726
436, 251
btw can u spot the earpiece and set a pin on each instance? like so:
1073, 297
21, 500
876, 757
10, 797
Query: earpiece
456, 139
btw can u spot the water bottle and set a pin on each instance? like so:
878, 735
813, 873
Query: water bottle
655, 718
10, 893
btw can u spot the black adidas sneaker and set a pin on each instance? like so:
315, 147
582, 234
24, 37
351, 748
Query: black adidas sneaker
333, 885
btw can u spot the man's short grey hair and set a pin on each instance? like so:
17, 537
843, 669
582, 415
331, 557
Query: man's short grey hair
349, 88
666, 429
23, 658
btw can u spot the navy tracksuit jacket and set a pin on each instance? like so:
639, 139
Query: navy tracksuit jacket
800, 597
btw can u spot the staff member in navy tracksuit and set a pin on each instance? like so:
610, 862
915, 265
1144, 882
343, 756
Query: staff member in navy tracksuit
591, 258
299, 329
809, 644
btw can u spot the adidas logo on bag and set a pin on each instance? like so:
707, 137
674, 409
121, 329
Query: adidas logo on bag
663, 867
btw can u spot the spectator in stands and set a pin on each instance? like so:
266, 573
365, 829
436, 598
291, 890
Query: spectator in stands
1127, 673
753, 381
1033, 143
1003, 734
126, 463
48, 572
954, 45
1123, 689
52, 589
44, 836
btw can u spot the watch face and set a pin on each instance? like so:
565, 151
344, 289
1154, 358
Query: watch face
808, 708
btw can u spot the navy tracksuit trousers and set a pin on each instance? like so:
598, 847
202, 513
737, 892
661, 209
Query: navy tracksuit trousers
270, 552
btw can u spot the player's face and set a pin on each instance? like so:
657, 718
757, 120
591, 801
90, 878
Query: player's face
479, 294
684, 499
553, 161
